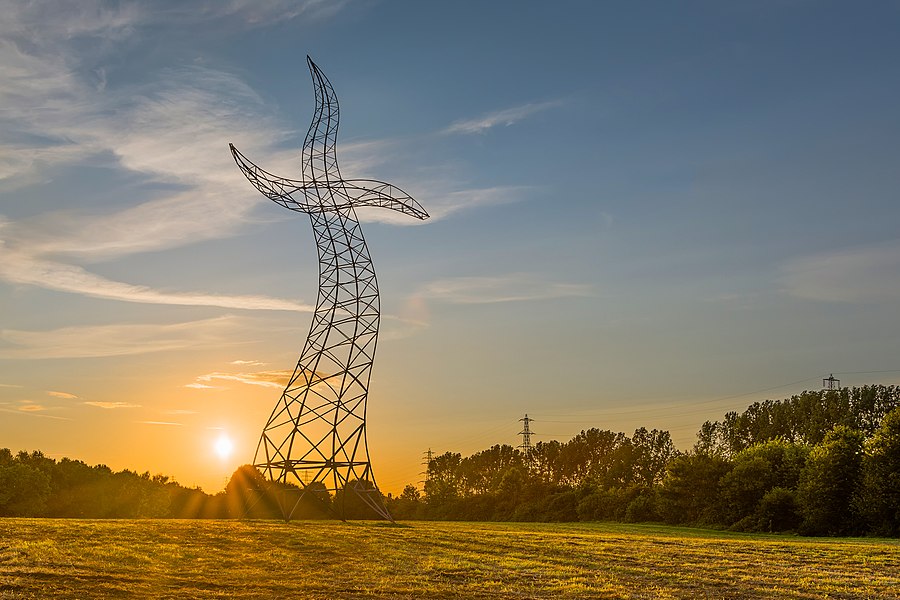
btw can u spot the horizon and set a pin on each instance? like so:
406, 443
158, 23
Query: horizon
642, 216
224, 447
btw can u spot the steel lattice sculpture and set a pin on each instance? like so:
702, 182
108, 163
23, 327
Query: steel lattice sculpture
316, 435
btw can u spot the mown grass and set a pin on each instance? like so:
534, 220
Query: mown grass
52, 558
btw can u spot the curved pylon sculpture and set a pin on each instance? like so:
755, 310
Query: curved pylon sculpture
315, 437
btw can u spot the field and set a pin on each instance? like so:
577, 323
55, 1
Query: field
49, 558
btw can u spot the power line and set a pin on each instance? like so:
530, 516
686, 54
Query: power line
696, 403
608, 413
869, 372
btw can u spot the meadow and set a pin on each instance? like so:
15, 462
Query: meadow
68, 558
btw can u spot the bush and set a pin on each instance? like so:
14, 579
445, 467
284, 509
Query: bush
24, 491
641, 509
777, 511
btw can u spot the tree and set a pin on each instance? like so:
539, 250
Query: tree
481, 473
24, 490
756, 471
709, 439
880, 498
352, 500
591, 456
829, 483
546, 463
408, 505
777, 511
691, 487
446, 479
803, 418
653, 450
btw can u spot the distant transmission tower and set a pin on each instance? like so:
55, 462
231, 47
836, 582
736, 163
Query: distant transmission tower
315, 438
429, 456
526, 432
830, 383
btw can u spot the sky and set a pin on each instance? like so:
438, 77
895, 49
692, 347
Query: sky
642, 214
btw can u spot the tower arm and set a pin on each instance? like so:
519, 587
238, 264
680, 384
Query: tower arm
332, 195
368, 192
278, 189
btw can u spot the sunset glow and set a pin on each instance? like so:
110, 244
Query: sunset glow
640, 217
223, 447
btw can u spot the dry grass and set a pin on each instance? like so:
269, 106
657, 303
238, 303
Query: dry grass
49, 558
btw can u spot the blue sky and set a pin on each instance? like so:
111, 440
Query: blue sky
644, 213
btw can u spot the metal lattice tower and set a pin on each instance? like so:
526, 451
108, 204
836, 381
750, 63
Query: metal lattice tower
831, 383
428, 456
526, 434
316, 435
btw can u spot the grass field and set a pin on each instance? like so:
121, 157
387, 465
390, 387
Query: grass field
49, 558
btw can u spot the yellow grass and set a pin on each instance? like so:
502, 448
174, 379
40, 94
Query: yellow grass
51, 558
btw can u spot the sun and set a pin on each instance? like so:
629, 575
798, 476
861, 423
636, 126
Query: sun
223, 446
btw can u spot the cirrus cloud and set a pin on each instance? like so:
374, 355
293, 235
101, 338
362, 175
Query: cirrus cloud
505, 118
504, 288
113, 405
114, 340
867, 274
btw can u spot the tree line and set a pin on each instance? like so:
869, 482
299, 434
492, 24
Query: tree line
34, 485
818, 463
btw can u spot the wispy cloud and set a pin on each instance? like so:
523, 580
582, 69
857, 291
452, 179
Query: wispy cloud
63, 395
68, 20
162, 131
114, 340
9, 385
252, 363
62, 107
272, 379
30, 411
22, 268
866, 274
506, 288
397, 328
39, 410
504, 118
203, 386
113, 405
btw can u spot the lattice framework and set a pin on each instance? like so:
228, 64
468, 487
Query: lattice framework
316, 435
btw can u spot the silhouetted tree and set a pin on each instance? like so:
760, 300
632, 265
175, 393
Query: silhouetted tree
24, 490
407, 505
829, 483
804, 418
754, 472
653, 450
446, 478
777, 511
691, 488
880, 496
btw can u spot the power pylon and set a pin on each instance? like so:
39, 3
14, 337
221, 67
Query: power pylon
831, 383
315, 437
429, 456
526, 434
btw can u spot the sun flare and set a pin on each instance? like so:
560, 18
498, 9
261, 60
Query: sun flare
223, 446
